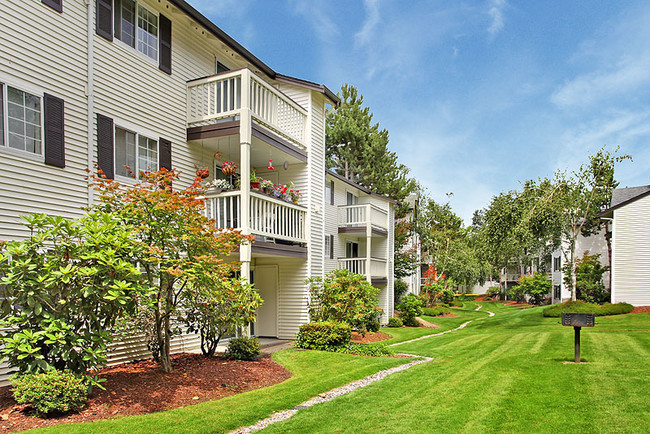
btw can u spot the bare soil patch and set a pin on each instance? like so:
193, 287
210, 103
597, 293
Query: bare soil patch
140, 388
641, 309
369, 337
427, 324
481, 297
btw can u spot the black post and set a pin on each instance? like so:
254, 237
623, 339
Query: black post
577, 343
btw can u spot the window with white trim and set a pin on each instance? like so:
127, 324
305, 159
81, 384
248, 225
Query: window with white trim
20, 120
138, 30
134, 153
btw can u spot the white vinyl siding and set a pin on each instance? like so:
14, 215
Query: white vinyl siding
631, 253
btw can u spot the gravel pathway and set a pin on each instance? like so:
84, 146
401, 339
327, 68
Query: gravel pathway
328, 396
350, 387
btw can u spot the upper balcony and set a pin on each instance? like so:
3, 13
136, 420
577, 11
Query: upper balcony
375, 269
225, 96
363, 219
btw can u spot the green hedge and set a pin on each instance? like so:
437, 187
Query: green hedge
555, 310
243, 348
374, 349
395, 322
435, 311
323, 335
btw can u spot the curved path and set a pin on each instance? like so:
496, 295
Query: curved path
350, 387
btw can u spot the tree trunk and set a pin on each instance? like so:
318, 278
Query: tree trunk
574, 267
165, 359
608, 239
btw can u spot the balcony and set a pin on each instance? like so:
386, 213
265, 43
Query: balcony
364, 219
226, 96
269, 217
377, 268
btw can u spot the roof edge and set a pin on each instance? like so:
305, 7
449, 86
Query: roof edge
359, 187
309, 85
610, 210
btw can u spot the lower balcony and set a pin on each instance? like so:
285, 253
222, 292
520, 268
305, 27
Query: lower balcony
376, 272
275, 220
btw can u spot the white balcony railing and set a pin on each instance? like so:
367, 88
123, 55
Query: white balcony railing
269, 217
359, 266
364, 215
225, 95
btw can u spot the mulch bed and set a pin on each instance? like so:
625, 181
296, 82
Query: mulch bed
641, 309
140, 388
516, 303
369, 337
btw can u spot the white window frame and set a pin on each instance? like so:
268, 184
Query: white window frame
4, 146
352, 193
138, 133
135, 47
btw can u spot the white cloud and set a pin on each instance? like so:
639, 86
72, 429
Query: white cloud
496, 13
316, 14
629, 74
373, 17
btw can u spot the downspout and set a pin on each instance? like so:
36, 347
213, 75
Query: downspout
90, 89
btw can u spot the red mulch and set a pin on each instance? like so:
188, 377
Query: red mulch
481, 297
140, 388
369, 337
513, 303
641, 309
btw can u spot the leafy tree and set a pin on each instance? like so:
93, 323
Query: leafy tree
65, 286
180, 248
343, 297
216, 308
569, 204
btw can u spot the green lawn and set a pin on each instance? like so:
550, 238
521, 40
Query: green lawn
313, 372
505, 374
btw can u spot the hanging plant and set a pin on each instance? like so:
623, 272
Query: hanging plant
229, 168
202, 173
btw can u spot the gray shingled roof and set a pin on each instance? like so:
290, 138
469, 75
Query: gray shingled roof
621, 195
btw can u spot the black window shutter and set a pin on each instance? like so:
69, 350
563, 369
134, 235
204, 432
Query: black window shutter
105, 145
104, 19
331, 192
331, 252
165, 154
165, 44
53, 109
57, 5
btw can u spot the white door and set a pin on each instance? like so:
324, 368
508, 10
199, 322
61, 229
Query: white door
266, 282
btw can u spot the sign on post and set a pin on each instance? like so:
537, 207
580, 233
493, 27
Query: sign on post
577, 320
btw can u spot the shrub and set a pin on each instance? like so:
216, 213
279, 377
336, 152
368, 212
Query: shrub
494, 292
399, 289
52, 391
218, 309
537, 287
410, 307
65, 287
555, 311
395, 322
435, 311
373, 325
589, 279
323, 335
447, 296
343, 297
243, 348
373, 349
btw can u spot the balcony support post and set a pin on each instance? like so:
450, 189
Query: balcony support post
245, 138
368, 244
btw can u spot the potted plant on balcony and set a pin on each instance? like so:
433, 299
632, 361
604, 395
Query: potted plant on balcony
295, 195
255, 180
228, 168
266, 186
278, 191
219, 185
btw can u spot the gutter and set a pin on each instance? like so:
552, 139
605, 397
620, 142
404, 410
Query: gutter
90, 90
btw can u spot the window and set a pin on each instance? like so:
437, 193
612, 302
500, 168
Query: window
352, 199
20, 120
142, 34
221, 68
328, 192
557, 264
557, 292
327, 246
134, 150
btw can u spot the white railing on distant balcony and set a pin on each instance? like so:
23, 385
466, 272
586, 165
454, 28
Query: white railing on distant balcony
223, 96
353, 265
363, 215
358, 266
269, 217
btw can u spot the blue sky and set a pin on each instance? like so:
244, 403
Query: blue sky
476, 95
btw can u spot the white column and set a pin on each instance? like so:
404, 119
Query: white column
368, 242
245, 138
